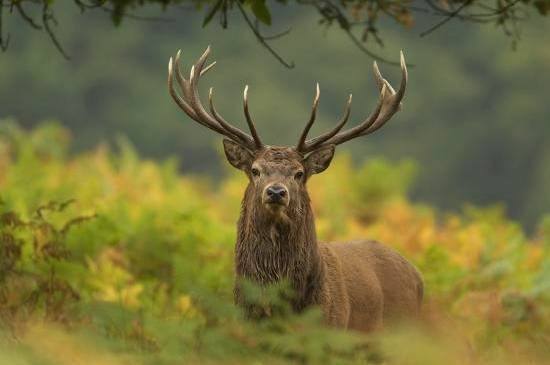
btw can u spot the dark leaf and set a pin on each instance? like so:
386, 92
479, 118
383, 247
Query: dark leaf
261, 12
117, 14
542, 6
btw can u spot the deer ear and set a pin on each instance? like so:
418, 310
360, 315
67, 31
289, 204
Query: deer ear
319, 160
237, 155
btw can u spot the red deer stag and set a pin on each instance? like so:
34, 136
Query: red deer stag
358, 285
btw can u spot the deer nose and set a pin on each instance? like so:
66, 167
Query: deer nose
276, 193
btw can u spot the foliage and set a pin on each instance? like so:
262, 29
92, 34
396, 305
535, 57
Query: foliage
111, 259
346, 14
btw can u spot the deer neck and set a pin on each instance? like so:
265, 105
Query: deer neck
269, 250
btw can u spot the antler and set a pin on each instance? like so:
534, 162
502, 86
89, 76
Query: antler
190, 103
388, 104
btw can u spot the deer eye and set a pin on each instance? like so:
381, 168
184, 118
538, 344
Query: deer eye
255, 172
299, 175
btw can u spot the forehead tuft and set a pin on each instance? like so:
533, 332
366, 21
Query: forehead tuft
285, 156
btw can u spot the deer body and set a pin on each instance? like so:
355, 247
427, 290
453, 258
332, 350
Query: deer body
359, 285
379, 284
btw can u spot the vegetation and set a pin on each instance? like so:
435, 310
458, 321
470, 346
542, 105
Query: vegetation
347, 15
110, 259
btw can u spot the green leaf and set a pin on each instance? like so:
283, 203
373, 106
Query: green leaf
210, 14
261, 12
117, 14
542, 6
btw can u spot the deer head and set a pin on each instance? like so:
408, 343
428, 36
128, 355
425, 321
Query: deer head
278, 175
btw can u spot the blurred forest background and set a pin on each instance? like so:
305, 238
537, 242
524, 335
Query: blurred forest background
475, 117
117, 213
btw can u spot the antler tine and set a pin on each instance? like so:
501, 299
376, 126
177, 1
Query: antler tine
364, 125
314, 142
185, 103
185, 87
395, 103
404, 77
236, 132
190, 102
389, 103
196, 104
249, 120
201, 61
181, 80
233, 130
185, 84
301, 142
208, 68
181, 103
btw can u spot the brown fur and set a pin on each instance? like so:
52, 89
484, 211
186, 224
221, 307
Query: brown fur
359, 285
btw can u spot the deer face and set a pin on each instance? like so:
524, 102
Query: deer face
278, 175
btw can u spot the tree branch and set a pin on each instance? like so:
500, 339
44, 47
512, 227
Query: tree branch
365, 14
331, 13
26, 17
47, 17
261, 39
274, 36
4, 43
447, 19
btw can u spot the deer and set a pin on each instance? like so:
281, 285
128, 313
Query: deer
360, 285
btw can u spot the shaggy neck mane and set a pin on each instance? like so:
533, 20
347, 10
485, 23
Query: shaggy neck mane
270, 249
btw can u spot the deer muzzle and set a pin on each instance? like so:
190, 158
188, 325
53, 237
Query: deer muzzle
275, 195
